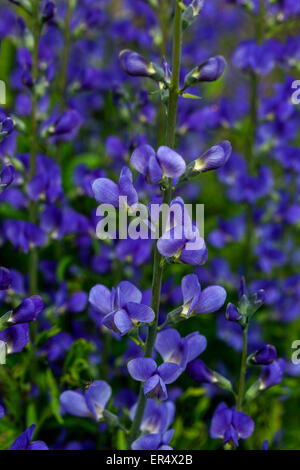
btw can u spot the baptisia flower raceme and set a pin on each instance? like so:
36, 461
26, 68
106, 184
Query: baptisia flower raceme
156, 378
90, 404
155, 166
230, 425
121, 307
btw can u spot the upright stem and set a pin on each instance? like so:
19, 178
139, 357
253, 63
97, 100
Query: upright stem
66, 53
33, 255
157, 264
239, 401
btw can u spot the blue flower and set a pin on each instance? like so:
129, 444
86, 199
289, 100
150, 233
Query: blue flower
122, 306
90, 404
23, 442
155, 378
107, 191
155, 166
158, 441
230, 425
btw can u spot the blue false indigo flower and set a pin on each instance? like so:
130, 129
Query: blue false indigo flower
159, 441
122, 306
180, 351
136, 65
62, 126
23, 234
243, 291
77, 302
157, 417
28, 310
90, 404
184, 245
107, 191
213, 159
209, 71
6, 125
23, 442
49, 11
156, 166
272, 374
201, 373
5, 278
145, 370
195, 301
230, 425
264, 356
232, 313
16, 337
7, 175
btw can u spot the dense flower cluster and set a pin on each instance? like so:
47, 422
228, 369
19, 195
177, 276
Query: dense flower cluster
84, 335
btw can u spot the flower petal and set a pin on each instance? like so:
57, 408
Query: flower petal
140, 312
171, 162
167, 341
74, 403
141, 368
106, 191
211, 299
141, 157
100, 298
97, 397
169, 371
243, 424
148, 442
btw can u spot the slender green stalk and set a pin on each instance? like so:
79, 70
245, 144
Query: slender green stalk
33, 255
239, 401
157, 265
66, 53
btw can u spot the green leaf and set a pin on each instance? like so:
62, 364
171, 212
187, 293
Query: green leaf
76, 369
54, 393
190, 96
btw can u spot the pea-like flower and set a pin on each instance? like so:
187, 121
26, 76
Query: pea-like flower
90, 404
157, 416
230, 425
212, 159
28, 310
5, 278
23, 442
107, 191
136, 65
155, 378
155, 166
180, 351
158, 441
195, 301
16, 337
209, 71
265, 355
7, 175
122, 306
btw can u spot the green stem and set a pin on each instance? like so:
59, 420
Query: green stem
33, 255
66, 53
239, 400
158, 265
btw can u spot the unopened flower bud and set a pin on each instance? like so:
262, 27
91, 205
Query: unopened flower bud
264, 356
232, 313
209, 71
136, 65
